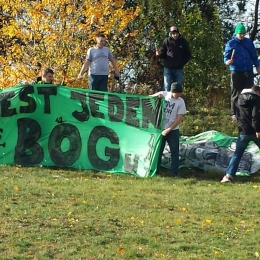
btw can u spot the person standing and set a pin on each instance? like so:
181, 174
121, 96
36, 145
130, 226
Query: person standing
248, 118
176, 53
97, 62
174, 111
240, 55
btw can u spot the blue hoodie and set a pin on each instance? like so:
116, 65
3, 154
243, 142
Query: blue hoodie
244, 56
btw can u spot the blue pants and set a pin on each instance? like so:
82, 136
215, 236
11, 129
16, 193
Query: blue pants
173, 140
98, 82
172, 75
242, 142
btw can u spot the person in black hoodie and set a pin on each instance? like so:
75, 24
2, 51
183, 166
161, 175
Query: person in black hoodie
248, 117
176, 53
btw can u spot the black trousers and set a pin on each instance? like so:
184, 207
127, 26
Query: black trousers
239, 81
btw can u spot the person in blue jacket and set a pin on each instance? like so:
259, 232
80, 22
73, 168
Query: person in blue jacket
240, 55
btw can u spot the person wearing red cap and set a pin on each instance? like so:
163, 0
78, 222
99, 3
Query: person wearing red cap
176, 53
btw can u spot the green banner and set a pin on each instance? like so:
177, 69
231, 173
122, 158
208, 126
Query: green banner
213, 150
68, 127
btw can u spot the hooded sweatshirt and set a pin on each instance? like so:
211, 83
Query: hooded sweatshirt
248, 114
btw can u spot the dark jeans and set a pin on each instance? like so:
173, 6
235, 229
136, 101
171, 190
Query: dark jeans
239, 81
98, 82
242, 142
173, 140
172, 75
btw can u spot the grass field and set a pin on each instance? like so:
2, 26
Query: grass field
65, 214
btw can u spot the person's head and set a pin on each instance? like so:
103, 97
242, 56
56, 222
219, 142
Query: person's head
240, 31
176, 89
256, 88
101, 40
174, 32
47, 75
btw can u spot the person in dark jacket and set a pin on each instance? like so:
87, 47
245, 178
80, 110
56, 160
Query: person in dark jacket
176, 53
240, 55
248, 117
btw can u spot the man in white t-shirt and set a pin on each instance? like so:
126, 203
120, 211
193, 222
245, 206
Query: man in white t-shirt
175, 109
97, 62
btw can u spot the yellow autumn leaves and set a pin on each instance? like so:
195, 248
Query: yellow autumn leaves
56, 34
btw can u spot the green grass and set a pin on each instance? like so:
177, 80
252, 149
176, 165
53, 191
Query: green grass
201, 120
64, 214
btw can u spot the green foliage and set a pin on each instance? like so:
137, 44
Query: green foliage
202, 119
205, 68
134, 29
55, 34
206, 78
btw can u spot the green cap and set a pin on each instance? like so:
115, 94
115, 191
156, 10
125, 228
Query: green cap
240, 28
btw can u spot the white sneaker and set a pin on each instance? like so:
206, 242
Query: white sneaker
226, 179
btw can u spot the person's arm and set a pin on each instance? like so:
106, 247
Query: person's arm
250, 47
258, 70
255, 59
227, 55
158, 94
161, 52
255, 118
84, 68
173, 125
113, 62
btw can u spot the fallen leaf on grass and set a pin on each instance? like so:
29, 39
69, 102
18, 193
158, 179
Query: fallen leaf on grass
184, 210
120, 250
16, 188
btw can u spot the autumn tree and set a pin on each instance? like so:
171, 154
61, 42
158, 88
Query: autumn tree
56, 34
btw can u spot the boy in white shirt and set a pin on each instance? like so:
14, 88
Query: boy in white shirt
175, 109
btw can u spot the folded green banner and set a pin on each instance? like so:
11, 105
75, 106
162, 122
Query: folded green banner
61, 126
213, 150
